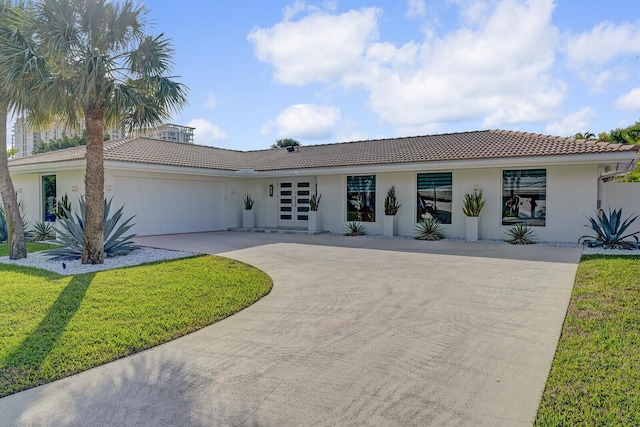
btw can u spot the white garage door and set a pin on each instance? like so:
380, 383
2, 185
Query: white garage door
165, 206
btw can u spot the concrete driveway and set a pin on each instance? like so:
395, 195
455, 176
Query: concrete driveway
405, 334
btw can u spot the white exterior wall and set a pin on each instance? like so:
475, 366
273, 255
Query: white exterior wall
571, 193
625, 195
29, 189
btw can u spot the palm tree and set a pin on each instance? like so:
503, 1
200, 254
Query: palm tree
15, 230
97, 63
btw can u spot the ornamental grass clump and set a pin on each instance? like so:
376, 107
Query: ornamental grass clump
520, 234
429, 229
71, 234
610, 231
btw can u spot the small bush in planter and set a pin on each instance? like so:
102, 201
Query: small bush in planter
520, 234
473, 203
391, 204
314, 202
248, 202
610, 231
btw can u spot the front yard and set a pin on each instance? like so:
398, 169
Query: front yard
53, 326
595, 376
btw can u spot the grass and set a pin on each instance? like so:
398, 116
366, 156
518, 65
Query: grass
53, 326
31, 247
595, 376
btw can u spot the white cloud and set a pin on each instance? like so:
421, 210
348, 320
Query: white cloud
305, 121
416, 9
318, 47
602, 44
591, 53
211, 101
573, 123
496, 70
630, 101
206, 133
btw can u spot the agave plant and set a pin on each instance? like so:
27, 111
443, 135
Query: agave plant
355, 229
520, 234
248, 202
42, 230
391, 204
429, 228
71, 236
610, 231
4, 231
473, 203
314, 202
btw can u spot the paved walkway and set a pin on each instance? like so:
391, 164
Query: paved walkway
408, 333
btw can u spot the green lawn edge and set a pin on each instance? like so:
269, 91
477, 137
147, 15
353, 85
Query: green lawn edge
53, 326
595, 375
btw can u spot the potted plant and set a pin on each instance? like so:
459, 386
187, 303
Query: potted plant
248, 216
473, 205
314, 203
391, 207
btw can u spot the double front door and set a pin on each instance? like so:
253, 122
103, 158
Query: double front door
293, 202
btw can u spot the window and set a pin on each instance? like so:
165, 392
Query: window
361, 198
524, 197
48, 197
434, 196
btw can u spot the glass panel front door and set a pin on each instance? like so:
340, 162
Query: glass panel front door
293, 203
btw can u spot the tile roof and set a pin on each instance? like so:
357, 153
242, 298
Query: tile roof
477, 145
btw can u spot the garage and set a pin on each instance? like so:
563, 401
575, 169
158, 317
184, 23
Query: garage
170, 205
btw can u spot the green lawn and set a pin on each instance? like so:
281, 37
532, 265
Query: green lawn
31, 247
53, 326
595, 376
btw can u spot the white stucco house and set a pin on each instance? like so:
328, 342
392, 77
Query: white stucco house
549, 182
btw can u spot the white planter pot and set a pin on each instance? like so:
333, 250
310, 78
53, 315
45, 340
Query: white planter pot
313, 221
389, 226
472, 229
248, 219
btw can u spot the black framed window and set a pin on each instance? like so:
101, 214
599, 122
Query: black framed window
435, 196
524, 197
361, 198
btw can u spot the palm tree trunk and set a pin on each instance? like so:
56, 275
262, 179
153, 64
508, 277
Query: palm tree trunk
15, 239
93, 244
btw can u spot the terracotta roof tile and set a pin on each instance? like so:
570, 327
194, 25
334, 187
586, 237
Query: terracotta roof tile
489, 144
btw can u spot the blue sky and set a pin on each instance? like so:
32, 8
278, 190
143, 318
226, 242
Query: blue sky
330, 71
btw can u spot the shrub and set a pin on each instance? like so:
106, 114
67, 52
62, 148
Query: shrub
71, 235
355, 229
520, 234
610, 231
429, 228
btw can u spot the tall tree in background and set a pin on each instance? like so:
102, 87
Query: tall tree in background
15, 231
100, 65
286, 142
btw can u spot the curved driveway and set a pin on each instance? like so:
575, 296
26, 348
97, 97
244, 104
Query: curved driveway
356, 331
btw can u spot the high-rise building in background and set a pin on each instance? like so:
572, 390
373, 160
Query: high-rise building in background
169, 132
24, 138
